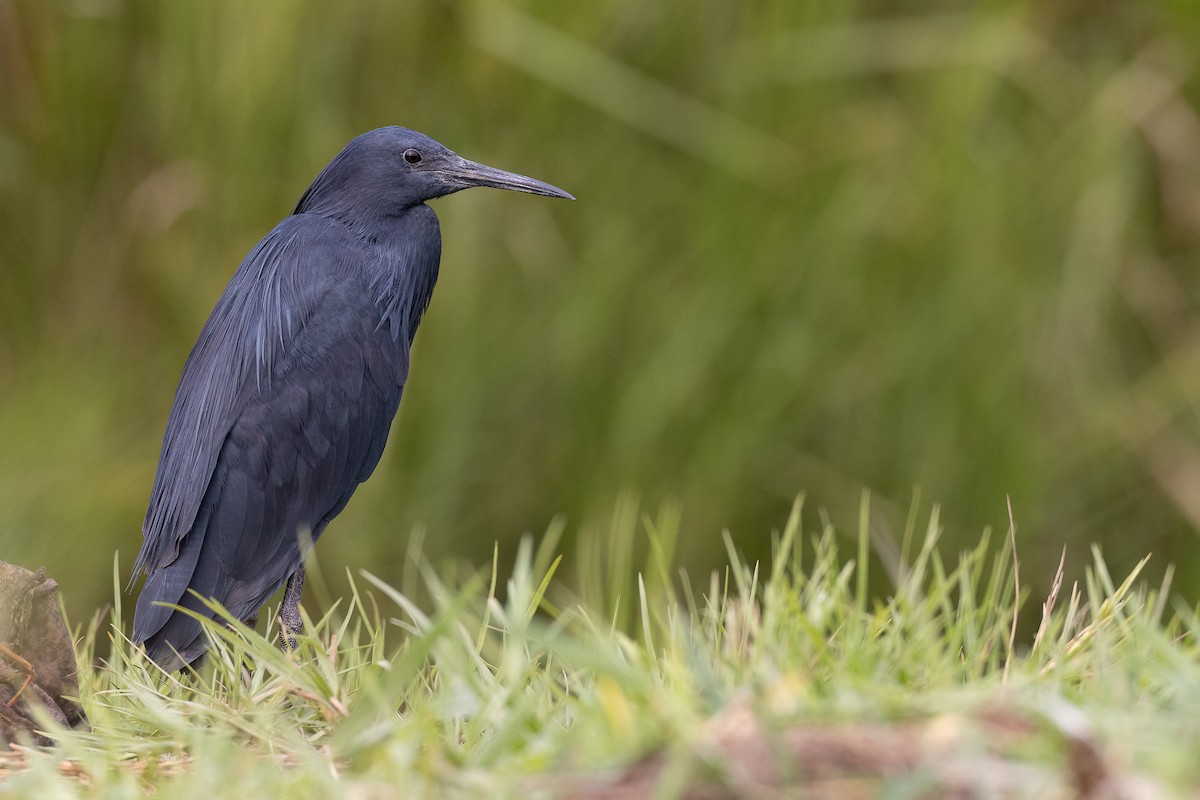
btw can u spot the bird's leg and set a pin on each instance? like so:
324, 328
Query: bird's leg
289, 613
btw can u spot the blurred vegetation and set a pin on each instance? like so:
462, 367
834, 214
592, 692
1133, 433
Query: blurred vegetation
818, 247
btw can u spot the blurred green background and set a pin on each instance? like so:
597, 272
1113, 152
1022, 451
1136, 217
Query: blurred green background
818, 246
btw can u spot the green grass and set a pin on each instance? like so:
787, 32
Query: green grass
531, 690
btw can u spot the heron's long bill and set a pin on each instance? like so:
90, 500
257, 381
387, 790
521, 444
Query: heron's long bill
468, 173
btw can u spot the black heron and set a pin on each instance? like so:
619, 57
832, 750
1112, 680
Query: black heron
285, 402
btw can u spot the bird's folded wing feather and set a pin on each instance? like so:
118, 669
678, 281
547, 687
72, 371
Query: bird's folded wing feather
268, 303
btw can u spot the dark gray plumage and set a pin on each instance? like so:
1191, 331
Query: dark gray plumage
285, 402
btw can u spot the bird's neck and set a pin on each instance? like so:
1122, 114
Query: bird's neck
407, 249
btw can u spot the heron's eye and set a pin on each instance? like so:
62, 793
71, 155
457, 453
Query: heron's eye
412, 156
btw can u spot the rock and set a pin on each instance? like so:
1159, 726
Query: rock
37, 658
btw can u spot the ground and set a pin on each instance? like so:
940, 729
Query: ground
782, 679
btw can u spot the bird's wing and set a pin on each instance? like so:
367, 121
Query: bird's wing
298, 448
267, 304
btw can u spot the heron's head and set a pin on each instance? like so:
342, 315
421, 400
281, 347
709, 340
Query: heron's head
389, 169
